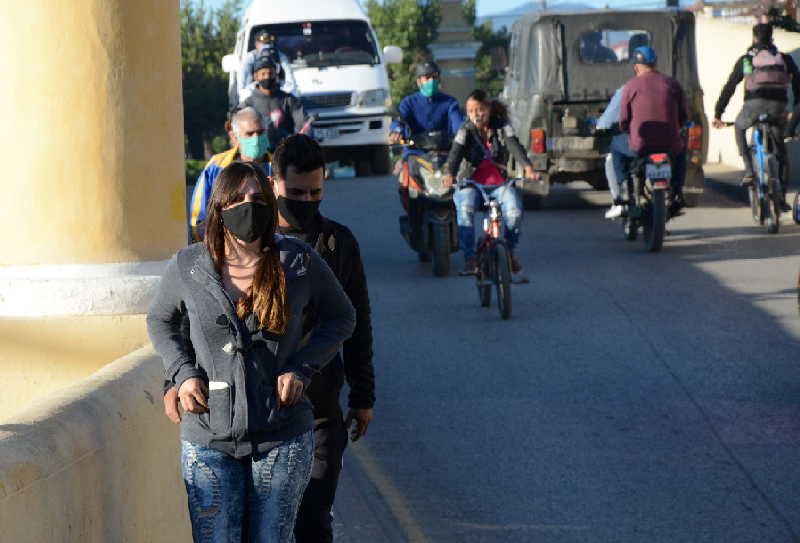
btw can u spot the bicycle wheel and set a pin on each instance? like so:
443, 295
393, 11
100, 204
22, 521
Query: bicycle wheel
502, 265
655, 222
484, 279
774, 219
755, 205
775, 195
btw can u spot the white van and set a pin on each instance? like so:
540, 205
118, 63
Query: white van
333, 63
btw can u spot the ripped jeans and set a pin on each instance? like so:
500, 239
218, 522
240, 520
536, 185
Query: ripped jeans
225, 492
468, 199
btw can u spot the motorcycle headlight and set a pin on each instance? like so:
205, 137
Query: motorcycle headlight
375, 97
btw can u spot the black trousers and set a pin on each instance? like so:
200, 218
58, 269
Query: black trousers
751, 110
314, 522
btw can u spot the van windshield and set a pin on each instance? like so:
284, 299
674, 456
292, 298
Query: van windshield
323, 43
615, 46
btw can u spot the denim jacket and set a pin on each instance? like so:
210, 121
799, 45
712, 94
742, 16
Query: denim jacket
240, 362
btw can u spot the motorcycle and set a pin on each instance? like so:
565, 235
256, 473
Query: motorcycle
649, 192
430, 227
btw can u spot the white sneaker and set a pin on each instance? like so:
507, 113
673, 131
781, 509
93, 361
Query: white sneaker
614, 212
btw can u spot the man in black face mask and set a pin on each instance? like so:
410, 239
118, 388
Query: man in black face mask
298, 176
283, 111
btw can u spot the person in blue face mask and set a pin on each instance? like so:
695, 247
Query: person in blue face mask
250, 144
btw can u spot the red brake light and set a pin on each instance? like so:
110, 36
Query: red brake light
538, 141
658, 158
695, 142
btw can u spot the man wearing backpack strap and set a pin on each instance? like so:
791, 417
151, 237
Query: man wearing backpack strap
767, 74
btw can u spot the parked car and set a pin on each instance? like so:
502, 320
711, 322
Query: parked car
332, 61
563, 70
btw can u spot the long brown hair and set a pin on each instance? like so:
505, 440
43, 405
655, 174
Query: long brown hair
266, 297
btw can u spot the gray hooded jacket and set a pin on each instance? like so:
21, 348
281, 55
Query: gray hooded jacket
240, 362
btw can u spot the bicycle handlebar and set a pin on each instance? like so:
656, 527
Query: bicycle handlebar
482, 188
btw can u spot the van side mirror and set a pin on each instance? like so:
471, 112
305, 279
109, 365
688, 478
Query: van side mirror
392, 54
230, 63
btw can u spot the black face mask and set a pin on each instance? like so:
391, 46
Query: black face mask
300, 214
247, 221
268, 84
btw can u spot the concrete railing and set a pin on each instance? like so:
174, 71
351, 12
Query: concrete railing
719, 45
97, 462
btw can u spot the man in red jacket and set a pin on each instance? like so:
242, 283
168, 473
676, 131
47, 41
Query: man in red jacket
653, 111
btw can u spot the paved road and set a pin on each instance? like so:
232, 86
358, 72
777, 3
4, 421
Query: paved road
632, 397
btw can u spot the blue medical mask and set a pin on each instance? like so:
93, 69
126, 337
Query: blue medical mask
254, 146
429, 88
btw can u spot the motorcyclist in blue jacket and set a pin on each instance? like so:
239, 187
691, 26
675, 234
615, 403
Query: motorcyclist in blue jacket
428, 110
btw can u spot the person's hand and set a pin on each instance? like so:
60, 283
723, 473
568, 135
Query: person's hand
172, 405
530, 173
290, 389
447, 181
359, 419
394, 138
193, 394
716, 123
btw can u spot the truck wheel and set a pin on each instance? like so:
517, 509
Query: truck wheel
695, 177
532, 202
381, 161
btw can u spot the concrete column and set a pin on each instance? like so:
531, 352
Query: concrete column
455, 50
92, 175
92, 184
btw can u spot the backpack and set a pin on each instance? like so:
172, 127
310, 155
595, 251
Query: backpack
766, 69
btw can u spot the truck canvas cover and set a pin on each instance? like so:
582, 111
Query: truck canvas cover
547, 60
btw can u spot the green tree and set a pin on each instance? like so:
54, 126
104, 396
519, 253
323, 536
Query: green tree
490, 74
410, 24
206, 36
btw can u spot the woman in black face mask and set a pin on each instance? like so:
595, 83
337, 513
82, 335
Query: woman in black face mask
247, 442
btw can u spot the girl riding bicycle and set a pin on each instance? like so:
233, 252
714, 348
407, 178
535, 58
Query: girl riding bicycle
480, 152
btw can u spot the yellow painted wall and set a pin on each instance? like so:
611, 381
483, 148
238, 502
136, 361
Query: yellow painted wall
93, 131
719, 44
97, 463
39, 357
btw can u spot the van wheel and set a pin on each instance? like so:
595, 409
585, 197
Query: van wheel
381, 162
363, 167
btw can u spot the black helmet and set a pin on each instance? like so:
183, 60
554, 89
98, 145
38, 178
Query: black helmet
426, 68
264, 61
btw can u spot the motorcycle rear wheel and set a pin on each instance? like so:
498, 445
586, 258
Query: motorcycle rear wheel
655, 223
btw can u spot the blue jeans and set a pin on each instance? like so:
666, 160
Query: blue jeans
224, 491
468, 200
621, 156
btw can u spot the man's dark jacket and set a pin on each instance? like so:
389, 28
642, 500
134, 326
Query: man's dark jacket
339, 248
737, 76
